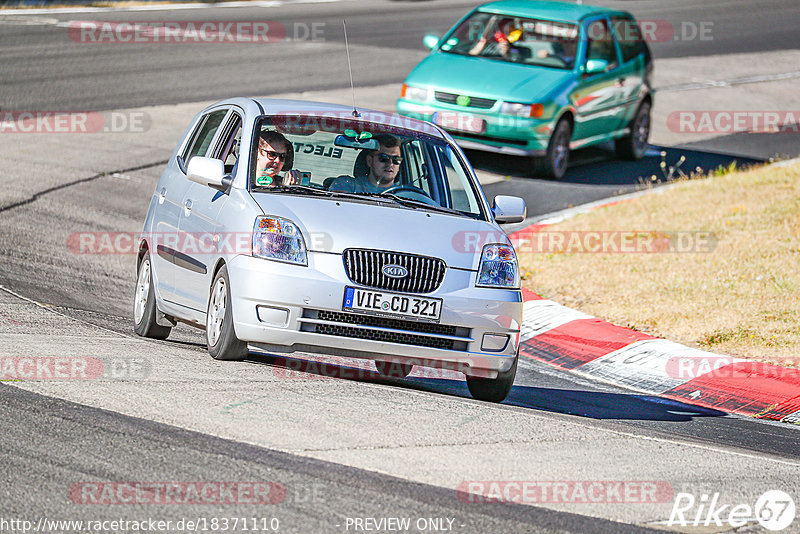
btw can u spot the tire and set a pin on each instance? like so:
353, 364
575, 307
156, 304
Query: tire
554, 163
394, 369
493, 389
220, 335
144, 304
634, 145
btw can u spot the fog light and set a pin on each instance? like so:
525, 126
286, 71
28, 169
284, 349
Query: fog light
494, 342
273, 316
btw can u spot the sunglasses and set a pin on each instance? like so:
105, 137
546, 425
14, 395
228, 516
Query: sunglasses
271, 154
386, 158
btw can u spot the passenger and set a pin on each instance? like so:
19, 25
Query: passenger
382, 168
498, 43
274, 153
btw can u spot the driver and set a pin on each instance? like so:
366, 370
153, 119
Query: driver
382, 168
274, 153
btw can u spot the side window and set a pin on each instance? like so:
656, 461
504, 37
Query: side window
629, 37
601, 43
227, 148
203, 135
415, 167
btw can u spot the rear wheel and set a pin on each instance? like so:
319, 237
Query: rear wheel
633, 146
555, 161
493, 389
220, 335
394, 369
144, 305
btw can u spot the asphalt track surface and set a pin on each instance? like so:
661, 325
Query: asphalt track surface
48, 444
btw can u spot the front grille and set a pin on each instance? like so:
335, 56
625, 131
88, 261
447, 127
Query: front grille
364, 267
413, 333
504, 140
474, 101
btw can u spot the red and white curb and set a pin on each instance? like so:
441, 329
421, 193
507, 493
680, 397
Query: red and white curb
572, 340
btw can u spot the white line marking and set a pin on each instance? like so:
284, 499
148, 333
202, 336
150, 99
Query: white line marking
159, 7
728, 83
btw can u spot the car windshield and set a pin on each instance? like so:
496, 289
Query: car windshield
515, 39
348, 158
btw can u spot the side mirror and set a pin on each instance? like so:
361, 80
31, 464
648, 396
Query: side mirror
209, 172
508, 209
431, 41
595, 66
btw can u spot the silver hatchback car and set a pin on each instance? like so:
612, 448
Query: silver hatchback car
286, 226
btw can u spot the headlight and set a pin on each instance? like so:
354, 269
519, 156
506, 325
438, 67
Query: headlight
278, 239
498, 267
409, 92
521, 110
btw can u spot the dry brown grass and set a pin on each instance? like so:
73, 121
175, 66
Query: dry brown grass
742, 299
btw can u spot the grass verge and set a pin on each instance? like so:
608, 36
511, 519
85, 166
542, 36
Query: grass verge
712, 262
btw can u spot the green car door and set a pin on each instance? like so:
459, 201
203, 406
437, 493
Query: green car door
634, 58
599, 98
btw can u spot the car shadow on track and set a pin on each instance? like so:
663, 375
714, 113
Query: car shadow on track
595, 174
591, 404
599, 166
603, 405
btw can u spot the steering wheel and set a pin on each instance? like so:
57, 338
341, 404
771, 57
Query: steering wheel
418, 194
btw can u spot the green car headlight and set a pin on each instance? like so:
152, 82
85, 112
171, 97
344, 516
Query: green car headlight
521, 110
409, 92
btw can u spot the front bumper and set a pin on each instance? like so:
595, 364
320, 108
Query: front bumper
518, 136
284, 308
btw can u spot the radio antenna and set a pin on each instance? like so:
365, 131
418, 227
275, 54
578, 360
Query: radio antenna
350, 70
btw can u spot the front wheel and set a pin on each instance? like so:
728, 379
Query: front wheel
220, 335
634, 145
144, 304
555, 161
493, 389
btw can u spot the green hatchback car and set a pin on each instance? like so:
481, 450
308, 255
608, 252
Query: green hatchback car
537, 78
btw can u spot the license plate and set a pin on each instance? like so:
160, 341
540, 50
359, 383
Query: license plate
391, 304
452, 120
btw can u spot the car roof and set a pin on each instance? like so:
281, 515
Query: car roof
273, 106
561, 11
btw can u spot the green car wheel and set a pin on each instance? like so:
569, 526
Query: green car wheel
554, 163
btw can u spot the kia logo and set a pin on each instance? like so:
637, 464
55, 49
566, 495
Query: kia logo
394, 271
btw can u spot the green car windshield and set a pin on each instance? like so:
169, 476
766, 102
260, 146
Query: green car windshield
515, 39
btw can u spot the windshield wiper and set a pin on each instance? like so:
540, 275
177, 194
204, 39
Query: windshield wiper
306, 190
416, 204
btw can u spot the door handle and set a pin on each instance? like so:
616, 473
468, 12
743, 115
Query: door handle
187, 205
162, 195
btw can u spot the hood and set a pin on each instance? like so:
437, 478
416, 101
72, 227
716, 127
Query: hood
335, 225
487, 78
